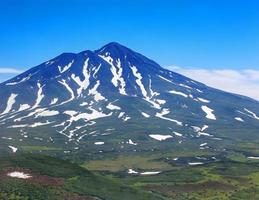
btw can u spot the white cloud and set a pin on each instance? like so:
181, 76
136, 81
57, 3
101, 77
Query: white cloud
7, 70
244, 82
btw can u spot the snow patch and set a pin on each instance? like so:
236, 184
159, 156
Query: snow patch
145, 114
47, 113
196, 128
65, 68
204, 134
203, 100
150, 173
139, 81
36, 124
166, 111
161, 101
111, 106
186, 86
178, 93
203, 144
117, 79
97, 95
142, 88
24, 107
165, 79
131, 142
83, 85
40, 96
239, 119
63, 82
126, 118
209, 112
204, 127
99, 143
152, 93
195, 163
7, 138
84, 104
121, 114
10, 103
160, 137
20, 175
96, 70
178, 134
131, 171
253, 157
75, 116
14, 149
53, 101
252, 113
22, 80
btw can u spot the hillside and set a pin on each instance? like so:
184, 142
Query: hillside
30, 177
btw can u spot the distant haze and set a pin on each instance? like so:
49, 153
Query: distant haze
244, 82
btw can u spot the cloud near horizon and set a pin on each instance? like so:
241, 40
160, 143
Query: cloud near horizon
244, 82
8, 70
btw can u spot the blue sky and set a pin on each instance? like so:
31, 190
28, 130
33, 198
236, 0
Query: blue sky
207, 34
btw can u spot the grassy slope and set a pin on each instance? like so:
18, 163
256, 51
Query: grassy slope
230, 180
234, 179
76, 181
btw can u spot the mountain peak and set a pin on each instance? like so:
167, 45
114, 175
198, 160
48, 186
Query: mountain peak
119, 51
115, 45
114, 49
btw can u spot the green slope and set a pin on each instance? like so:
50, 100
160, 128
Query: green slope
54, 179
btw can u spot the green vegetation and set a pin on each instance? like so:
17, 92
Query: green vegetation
227, 180
39, 148
123, 163
55, 179
52, 178
17, 189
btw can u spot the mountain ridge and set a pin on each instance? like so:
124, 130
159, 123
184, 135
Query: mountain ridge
114, 95
119, 46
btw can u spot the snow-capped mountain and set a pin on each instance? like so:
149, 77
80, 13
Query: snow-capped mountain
117, 96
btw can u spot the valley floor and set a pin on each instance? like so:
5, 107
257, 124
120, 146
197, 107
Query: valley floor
34, 176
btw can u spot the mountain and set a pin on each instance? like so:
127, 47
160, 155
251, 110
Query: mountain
115, 99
